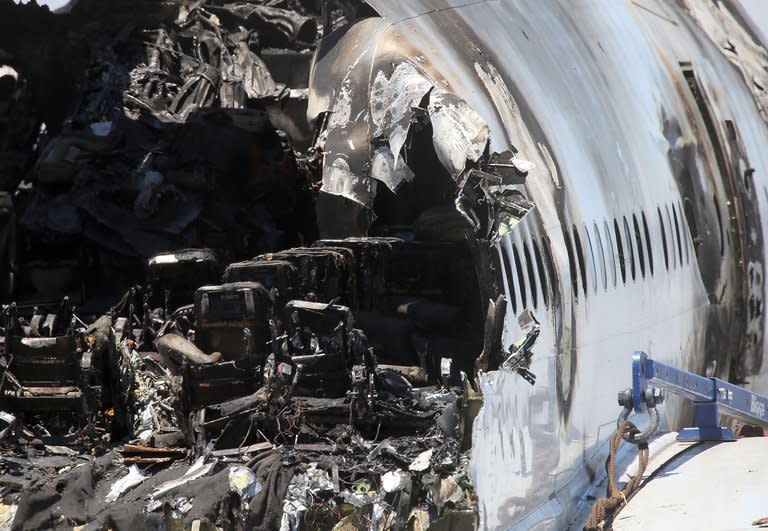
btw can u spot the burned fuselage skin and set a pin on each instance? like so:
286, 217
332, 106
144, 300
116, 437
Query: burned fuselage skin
640, 130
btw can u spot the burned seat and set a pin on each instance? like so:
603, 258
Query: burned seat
318, 340
46, 367
278, 276
50, 373
174, 276
325, 273
232, 319
370, 254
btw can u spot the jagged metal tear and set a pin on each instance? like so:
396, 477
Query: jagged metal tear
521, 354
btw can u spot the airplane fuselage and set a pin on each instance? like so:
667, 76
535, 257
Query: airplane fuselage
645, 125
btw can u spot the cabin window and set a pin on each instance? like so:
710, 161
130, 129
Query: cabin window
611, 253
549, 264
572, 265
542, 273
671, 226
591, 258
663, 239
510, 277
677, 233
630, 248
580, 256
639, 240
601, 257
670, 231
520, 278
685, 234
720, 225
531, 276
648, 245
620, 251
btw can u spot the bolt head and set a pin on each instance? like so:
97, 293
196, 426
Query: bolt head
625, 398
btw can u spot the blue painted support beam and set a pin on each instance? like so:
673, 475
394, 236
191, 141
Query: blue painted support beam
707, 394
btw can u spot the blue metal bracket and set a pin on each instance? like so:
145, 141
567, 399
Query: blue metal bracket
708, 395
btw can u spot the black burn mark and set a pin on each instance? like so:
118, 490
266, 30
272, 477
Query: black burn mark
564, 336
561, 307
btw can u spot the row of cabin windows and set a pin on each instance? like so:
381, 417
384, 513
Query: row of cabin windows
528, 268
623, 249
618, 251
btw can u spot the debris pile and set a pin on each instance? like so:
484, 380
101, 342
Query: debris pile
171, 141
184, 351
310, 408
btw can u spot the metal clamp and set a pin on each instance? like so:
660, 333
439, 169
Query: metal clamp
645, 435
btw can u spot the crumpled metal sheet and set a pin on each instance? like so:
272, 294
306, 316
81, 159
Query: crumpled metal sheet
340, 179
389, 169
459, 133
520, 352
392, 101
252, 72
345, 141
382, 94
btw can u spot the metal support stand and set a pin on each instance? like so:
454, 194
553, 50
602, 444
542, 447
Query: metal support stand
707, 394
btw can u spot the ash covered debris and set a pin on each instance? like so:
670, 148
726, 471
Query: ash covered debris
162, 134
241, 411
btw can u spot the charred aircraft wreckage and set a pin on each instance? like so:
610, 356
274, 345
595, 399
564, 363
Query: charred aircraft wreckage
492, 204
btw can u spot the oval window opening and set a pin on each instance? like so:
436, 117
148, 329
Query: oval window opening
639, 241
592, 264
580, 256
693, 228
531, 276
572, 265
542, 273
677, 234
549, 265
720, 225
674, 255
520, 278
611, 254
684, 230
648, 245
630, 248
504, 252
663, 239
620, 251
601, 257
